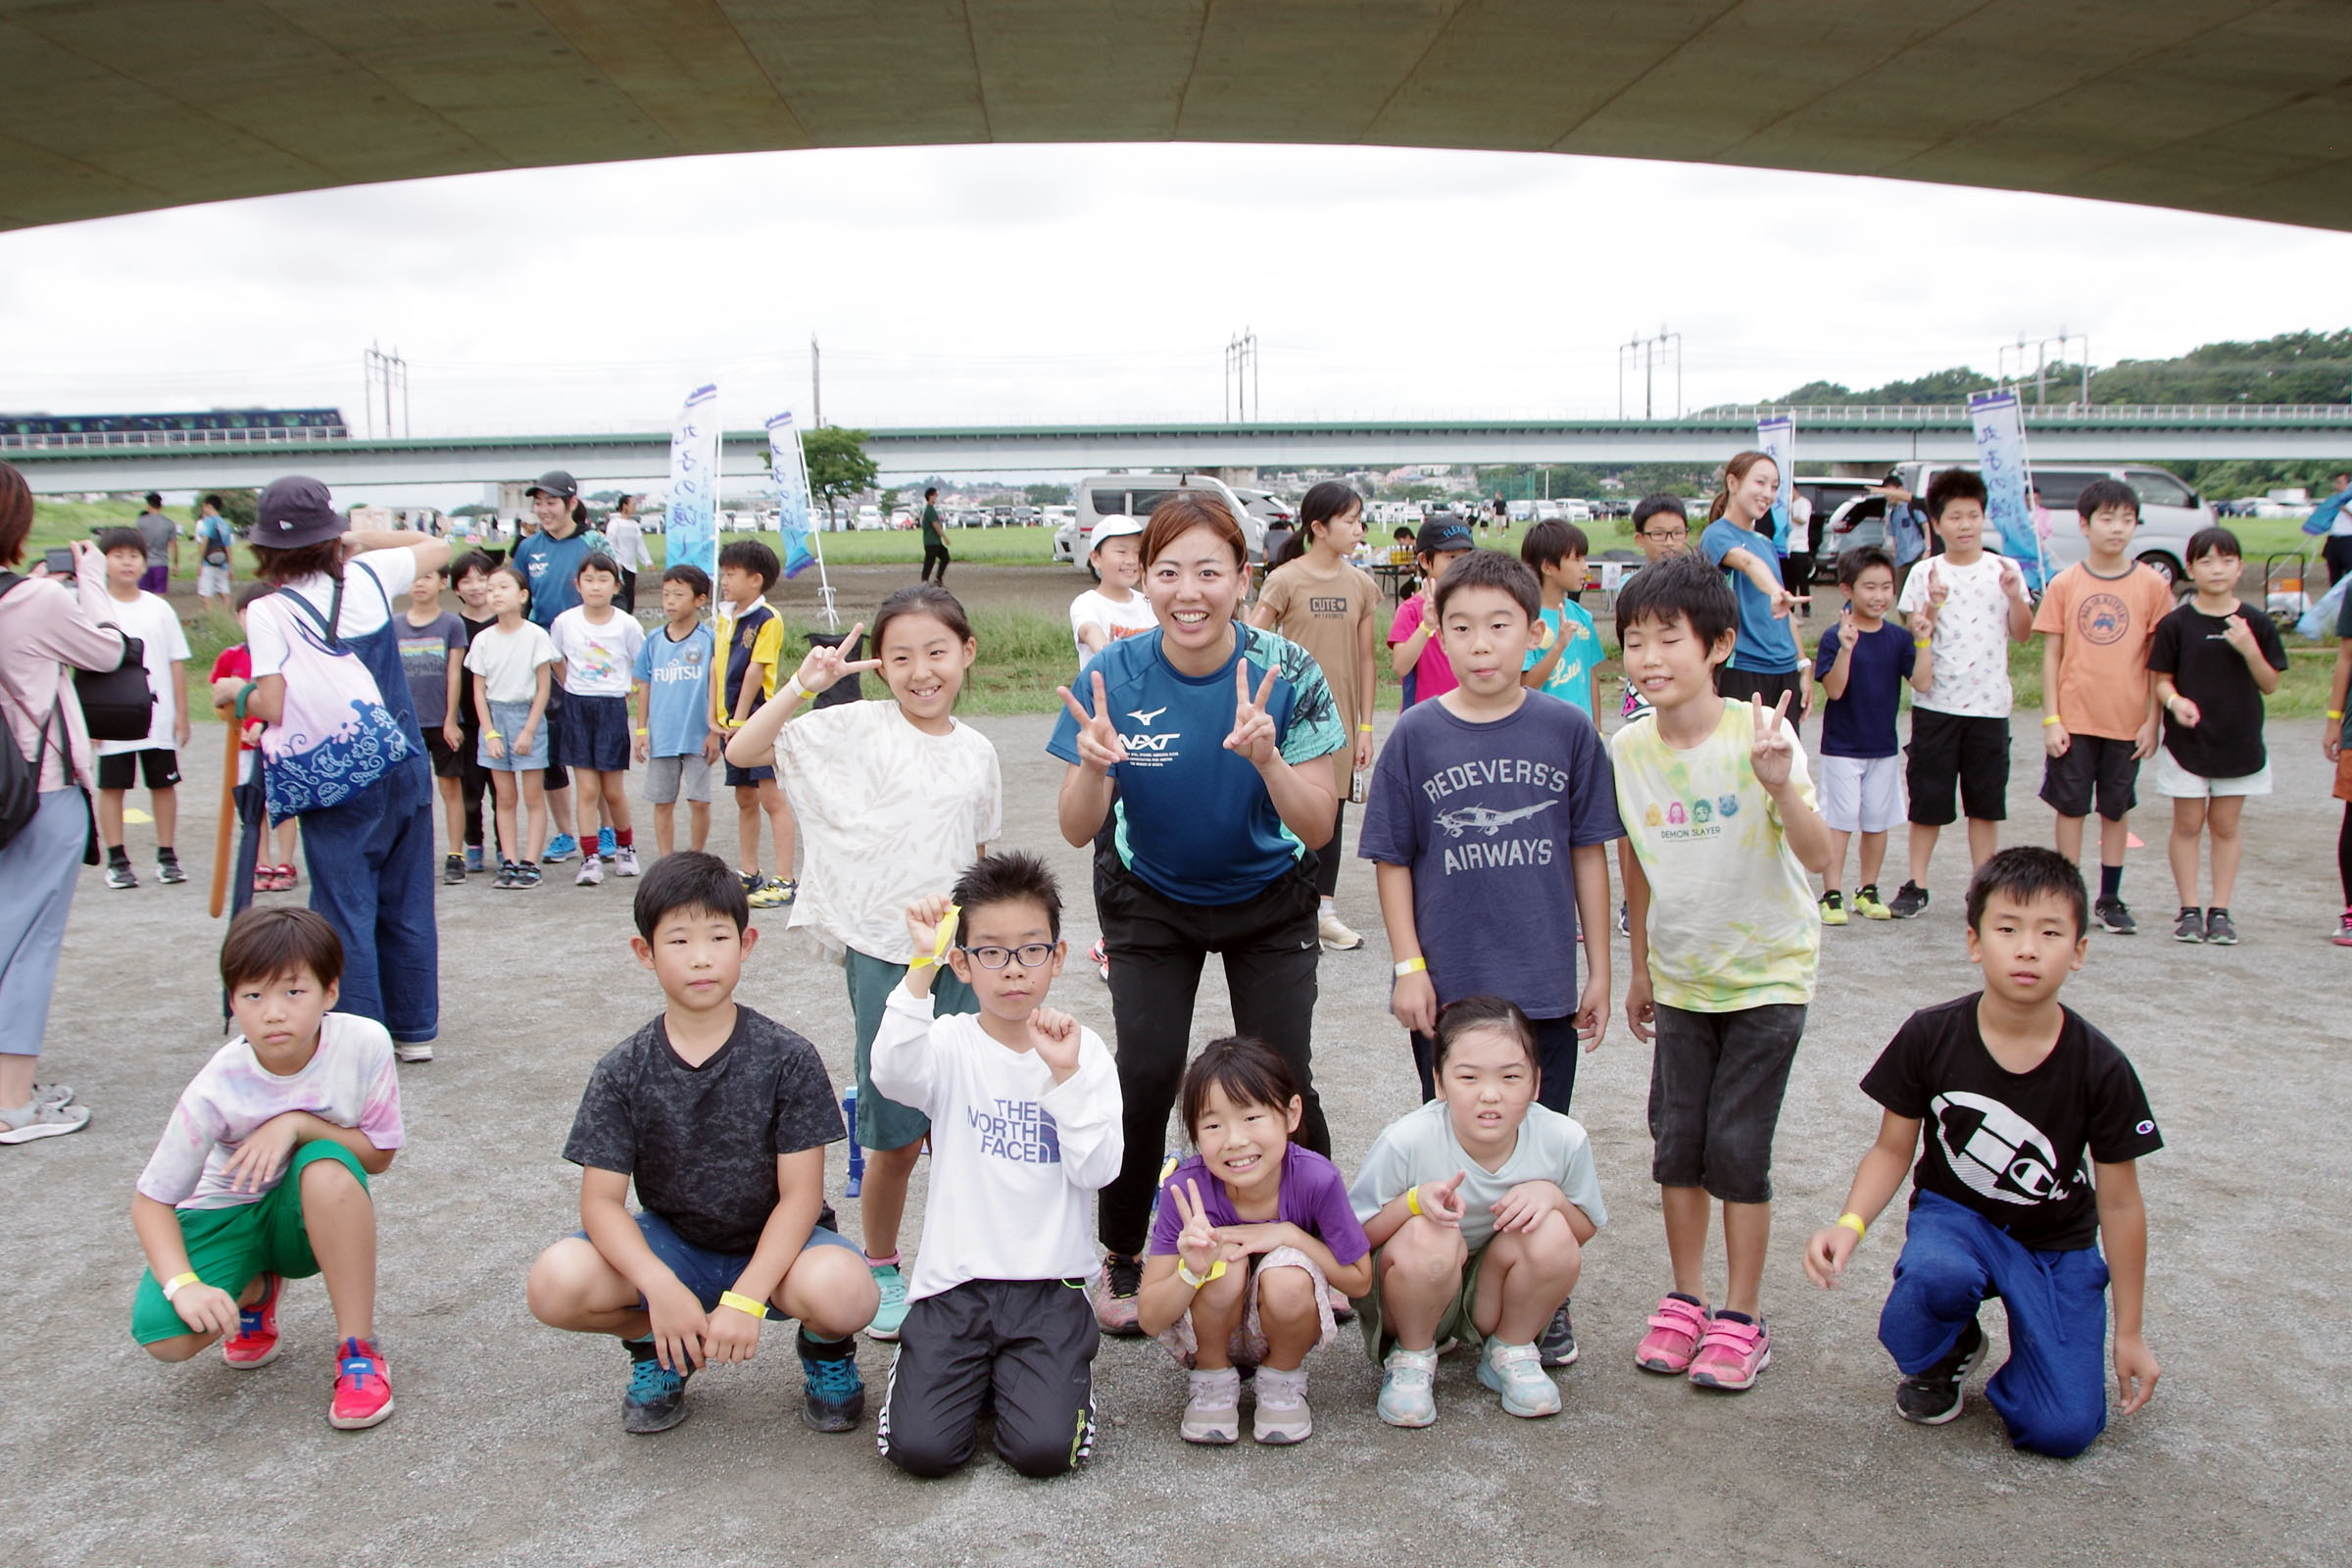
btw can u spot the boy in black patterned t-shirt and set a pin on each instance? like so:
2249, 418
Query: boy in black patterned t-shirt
2023, 1103
721, 1116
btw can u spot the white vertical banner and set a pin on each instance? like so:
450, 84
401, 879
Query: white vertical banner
788, 470
2000, 425
692, 521
1776, 438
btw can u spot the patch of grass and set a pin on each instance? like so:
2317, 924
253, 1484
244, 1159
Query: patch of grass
996, 547
1024, 655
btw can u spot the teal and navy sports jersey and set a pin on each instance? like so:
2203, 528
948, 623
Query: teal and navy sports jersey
1193, 819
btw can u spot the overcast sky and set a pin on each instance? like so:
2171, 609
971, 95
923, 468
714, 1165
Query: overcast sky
974, 286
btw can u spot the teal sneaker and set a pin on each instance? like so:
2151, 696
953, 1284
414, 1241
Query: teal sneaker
893, 1310
1516, 1372
563, 846
1407, 1394
655, 1400
836, 1393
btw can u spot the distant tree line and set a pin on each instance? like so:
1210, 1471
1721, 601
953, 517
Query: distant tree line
2293, 367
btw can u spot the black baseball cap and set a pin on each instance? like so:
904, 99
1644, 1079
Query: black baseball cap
555, 482
295, 511
1443, 536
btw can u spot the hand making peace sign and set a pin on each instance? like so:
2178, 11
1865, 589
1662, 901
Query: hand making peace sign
1771, 752
825, 666
1252, 727
1099, 745
1197, 1244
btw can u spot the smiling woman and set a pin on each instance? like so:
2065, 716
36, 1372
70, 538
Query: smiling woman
1203, 774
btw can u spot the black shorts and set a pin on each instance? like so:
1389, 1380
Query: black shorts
1716, 1083
121, 770
1969, 750
2092, 763
551, 721
595, 734
746, 777
447, 763
1739, 685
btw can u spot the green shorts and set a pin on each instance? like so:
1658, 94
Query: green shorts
228, 1246
1456, 1323
882, 1122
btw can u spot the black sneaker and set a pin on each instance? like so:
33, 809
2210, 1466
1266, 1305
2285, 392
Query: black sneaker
507, 876
1933, 1398
836, 1393
1114, 1295
655, 1400
1909, 900
2218, 929
122, 875
1556, 1344
2191, 927
2112, 917
527, 874
453, 870
167, 869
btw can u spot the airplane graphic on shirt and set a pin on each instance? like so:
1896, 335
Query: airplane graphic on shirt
1486, 819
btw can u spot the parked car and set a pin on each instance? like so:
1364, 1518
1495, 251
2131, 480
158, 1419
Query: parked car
1105, 495
2170, 511
1268, 507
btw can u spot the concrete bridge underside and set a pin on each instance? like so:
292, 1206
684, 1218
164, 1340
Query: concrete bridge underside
2240, 107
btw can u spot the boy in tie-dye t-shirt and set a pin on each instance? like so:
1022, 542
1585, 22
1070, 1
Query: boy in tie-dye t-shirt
1719, 810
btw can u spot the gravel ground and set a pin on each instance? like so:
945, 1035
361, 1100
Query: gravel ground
507, 1448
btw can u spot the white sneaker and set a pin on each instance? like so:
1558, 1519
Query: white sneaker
1282, 1415
412, 1049
1215, 1411
1516, 1372
625, 861
591, 872
1336, 935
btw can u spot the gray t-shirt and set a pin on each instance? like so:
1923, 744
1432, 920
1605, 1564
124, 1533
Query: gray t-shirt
159, 532
1420, 1147
701, 1142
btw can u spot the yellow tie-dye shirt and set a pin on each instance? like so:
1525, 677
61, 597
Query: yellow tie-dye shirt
1731, 919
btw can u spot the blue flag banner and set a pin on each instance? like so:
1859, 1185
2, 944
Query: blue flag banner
1777, 440
692, 521
789, 471
2000, 426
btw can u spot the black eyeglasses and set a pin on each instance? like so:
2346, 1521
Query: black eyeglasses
1662, 535
1032, 954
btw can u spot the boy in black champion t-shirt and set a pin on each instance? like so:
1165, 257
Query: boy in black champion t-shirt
2015, 1092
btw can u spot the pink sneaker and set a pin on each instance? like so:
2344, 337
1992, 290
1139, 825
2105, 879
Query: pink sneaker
1675, 1330
1732, 1352
255, 1343
2343, 930
362, 1391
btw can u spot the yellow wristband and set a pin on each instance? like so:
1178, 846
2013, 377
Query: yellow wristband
1411, 966
1184, 1272
2051, 719
1412, 1201
2335, 712
1853, 1222
742, 1304
174, 1286
642, 730
1916, 642
1363, 729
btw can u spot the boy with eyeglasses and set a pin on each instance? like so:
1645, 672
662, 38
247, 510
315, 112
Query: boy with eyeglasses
1663, 528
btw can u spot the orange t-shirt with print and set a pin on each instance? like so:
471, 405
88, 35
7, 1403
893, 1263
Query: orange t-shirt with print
2108, 623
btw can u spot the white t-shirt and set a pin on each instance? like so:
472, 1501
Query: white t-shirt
1801, 524
626, 536
151, 619
1015, 1157
363, 609
888, 814
1733, 924
348, 1080
1420, 1147
1091, 609
598, 661
509, 660
1971, 675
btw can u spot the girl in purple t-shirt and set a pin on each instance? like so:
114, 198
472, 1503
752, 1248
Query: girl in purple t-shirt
1250, 1239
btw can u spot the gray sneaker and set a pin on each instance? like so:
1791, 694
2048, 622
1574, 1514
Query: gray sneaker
1556, 1344
2219, 930
2110, 915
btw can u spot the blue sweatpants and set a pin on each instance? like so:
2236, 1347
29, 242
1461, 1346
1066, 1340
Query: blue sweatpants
2052, 1390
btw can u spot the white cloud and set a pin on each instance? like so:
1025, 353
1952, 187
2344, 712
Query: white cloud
979, 286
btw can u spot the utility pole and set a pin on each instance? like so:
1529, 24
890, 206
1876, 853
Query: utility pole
816, 385
1644, 353
382, 372
1240, 378
2042, 361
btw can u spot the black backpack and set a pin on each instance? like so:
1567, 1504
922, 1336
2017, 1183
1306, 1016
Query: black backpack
20, 775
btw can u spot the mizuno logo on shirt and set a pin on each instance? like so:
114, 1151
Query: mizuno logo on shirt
1141, 717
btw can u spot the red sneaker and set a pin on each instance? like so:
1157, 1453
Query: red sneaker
288, 879
362, 1389
255, 1343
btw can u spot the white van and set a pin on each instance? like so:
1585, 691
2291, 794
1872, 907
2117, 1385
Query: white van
1106, 495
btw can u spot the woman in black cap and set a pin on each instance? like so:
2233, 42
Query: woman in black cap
371, 856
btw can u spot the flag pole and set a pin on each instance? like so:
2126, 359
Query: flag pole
824, 583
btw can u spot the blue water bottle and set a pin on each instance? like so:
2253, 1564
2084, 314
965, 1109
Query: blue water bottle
848, 1117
